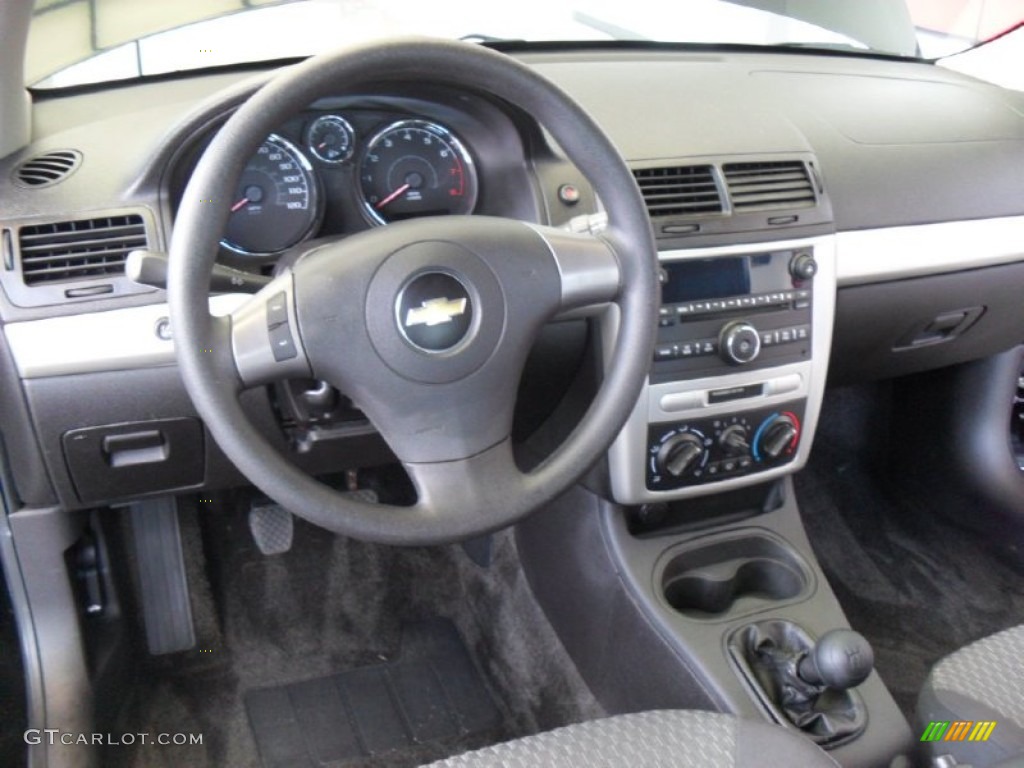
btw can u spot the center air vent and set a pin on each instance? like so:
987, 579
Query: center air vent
78, 250
44, 170
768, 186
678, 191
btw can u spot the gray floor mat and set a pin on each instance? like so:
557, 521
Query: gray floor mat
431, 694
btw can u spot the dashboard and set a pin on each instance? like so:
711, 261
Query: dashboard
899, 180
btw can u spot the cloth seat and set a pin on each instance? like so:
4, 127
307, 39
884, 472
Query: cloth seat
982, 682
656, 739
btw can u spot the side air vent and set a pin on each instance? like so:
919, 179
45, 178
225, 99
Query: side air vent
44, 170
78, 250
768, 186
679, 191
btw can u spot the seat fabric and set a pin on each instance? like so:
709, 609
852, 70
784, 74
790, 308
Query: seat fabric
657, 739
983, 681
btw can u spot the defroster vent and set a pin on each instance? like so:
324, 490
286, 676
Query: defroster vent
78, 250
679, 191
768, 186
44, 170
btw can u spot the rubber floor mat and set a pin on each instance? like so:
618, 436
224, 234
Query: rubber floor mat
432, 693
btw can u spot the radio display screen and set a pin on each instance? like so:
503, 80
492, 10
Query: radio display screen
695, 279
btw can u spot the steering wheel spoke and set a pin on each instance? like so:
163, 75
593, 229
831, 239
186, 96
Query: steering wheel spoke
588, 269
265, 340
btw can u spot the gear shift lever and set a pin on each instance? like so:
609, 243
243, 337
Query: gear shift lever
840, 659
809, 684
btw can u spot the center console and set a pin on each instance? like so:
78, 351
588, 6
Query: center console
738, 372
691, 583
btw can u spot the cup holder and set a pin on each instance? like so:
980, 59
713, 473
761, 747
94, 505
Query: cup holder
732, 576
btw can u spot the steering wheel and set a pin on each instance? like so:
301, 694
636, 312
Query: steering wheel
425, 324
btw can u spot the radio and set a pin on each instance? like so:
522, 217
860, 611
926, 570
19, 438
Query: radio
724, 312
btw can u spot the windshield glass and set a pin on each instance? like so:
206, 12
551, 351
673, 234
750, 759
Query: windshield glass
72, 42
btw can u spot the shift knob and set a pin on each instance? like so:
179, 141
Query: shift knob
840, 659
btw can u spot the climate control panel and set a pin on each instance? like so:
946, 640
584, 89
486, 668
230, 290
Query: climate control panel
705, 450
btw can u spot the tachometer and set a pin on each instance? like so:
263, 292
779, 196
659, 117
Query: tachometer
276, 203
416, 168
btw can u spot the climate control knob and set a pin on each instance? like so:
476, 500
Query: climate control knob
681, 454
739, 343
735, 440
776, 437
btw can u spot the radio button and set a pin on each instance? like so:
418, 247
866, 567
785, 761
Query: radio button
784, 384
664, 352
682, 401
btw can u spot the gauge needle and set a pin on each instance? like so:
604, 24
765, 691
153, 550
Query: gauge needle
240, 204
397, 193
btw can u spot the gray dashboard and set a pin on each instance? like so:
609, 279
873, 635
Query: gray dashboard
921, 169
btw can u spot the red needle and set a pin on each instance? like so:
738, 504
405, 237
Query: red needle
240, 204
397, 193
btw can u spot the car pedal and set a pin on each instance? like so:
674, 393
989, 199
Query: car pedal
272, 528
365, 495
166, 606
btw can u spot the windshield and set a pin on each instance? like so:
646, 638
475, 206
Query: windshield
72, 42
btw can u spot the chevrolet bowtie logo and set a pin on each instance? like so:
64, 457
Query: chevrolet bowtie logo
435, 312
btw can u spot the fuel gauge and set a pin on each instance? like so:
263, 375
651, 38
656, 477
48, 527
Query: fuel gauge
330, 139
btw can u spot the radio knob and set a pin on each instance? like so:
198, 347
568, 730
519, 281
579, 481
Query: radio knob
739, 343
803, 267
681, 454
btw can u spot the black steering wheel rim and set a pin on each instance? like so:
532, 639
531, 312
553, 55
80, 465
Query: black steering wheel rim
457, 505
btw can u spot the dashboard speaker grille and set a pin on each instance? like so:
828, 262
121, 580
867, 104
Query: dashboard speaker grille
44, 170
79, 250
678, 191
769, 186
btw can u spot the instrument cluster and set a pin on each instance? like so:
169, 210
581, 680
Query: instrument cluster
357, 169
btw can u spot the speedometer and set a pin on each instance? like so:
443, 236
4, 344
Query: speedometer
416, 168
276, 203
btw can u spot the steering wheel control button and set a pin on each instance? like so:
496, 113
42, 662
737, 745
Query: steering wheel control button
435, 312
282, 343
277, 311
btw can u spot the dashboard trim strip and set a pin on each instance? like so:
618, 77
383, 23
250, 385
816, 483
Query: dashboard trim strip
895, 253
117, 340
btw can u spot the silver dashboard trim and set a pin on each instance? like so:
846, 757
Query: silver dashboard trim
893, 253
787, 382
93, 342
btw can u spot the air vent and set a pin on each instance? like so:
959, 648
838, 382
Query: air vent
679, 191
44, 170
768, 186
78, 250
